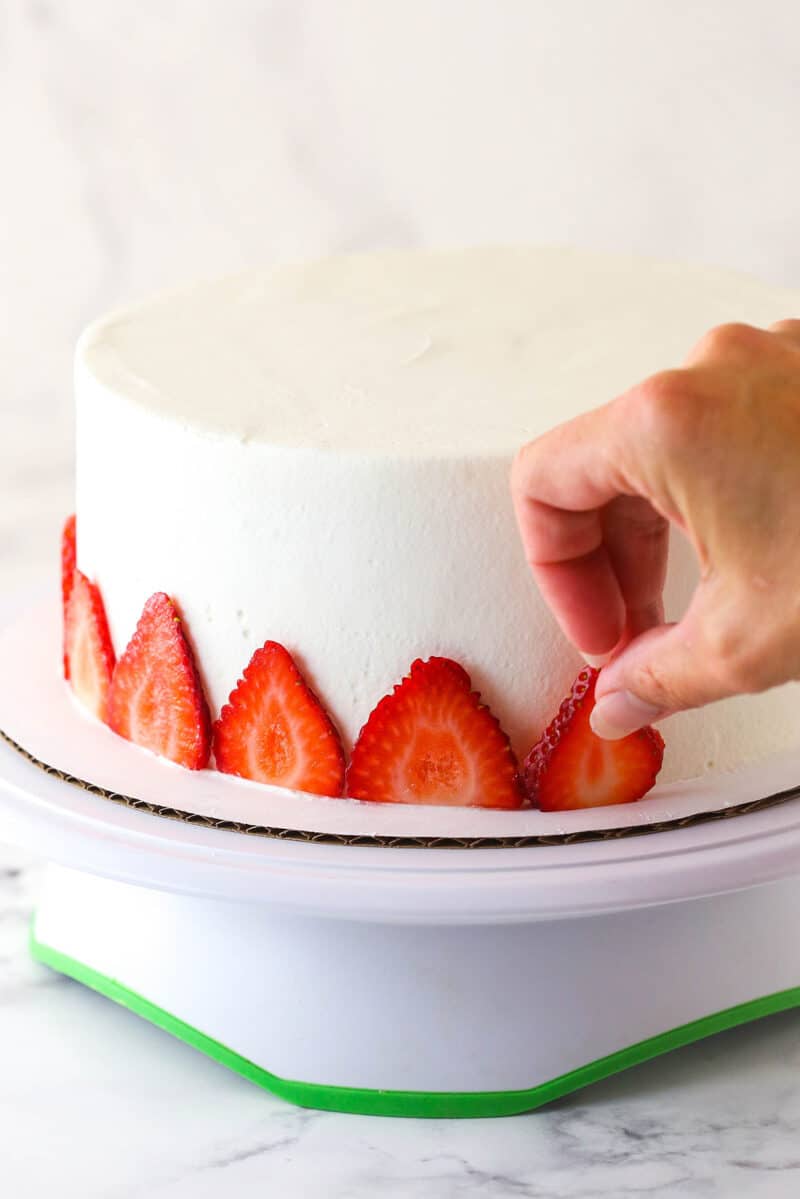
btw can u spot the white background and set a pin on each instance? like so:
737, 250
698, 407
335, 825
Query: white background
146, 141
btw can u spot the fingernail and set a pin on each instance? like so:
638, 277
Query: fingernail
598, 661
619, 713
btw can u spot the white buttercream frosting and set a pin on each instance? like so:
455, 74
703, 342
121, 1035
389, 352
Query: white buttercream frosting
319, 455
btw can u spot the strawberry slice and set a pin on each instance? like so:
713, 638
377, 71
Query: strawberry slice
68, 558
274, 729
433, 742
570, 767
68, 563
88, 652
156, 697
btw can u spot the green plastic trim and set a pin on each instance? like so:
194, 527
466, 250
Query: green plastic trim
431, 1104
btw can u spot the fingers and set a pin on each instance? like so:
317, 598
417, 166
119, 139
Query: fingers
597, 553
637, 541
693, 447
642, 685
714, 652
585, 597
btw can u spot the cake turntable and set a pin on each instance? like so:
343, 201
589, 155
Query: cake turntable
392, 960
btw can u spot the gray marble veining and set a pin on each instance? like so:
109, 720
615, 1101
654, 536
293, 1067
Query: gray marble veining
97, 1104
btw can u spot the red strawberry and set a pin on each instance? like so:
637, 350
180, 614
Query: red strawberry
274, 729
67, 557
67, 574
433, 742
156, 697
570, 767
88, 652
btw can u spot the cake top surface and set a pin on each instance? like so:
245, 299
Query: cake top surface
471, 351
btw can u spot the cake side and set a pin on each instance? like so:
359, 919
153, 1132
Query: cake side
362, 555
356, 565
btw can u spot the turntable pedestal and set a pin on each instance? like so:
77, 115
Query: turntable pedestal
429, 1019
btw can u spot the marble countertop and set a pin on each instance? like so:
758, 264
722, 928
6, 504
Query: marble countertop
97, 1104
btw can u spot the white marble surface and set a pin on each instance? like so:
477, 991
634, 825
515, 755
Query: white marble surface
143, 143
97, 1104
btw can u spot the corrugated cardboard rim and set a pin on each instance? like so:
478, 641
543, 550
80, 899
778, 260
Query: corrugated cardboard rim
399, 842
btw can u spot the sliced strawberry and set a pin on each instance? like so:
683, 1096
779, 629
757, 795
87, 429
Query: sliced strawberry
68, 557
274, 729
570, 767
68, 562
433, 742
88, 652
156, 697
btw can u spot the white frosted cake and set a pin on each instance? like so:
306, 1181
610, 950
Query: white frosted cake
317, 456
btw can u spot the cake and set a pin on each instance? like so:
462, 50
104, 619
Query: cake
316, 457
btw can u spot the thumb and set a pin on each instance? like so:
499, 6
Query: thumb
665, 670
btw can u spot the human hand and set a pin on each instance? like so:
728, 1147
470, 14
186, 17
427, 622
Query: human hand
713, 448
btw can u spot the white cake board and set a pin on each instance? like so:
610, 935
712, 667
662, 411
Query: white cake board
406, 980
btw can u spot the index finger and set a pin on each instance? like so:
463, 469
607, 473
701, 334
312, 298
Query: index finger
599, 565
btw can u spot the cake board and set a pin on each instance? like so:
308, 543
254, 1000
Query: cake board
360, 957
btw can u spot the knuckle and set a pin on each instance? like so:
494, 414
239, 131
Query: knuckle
530, 467
787, 332
652, 681
520, 469
739, 660
665, 408
790, 326
730, 340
